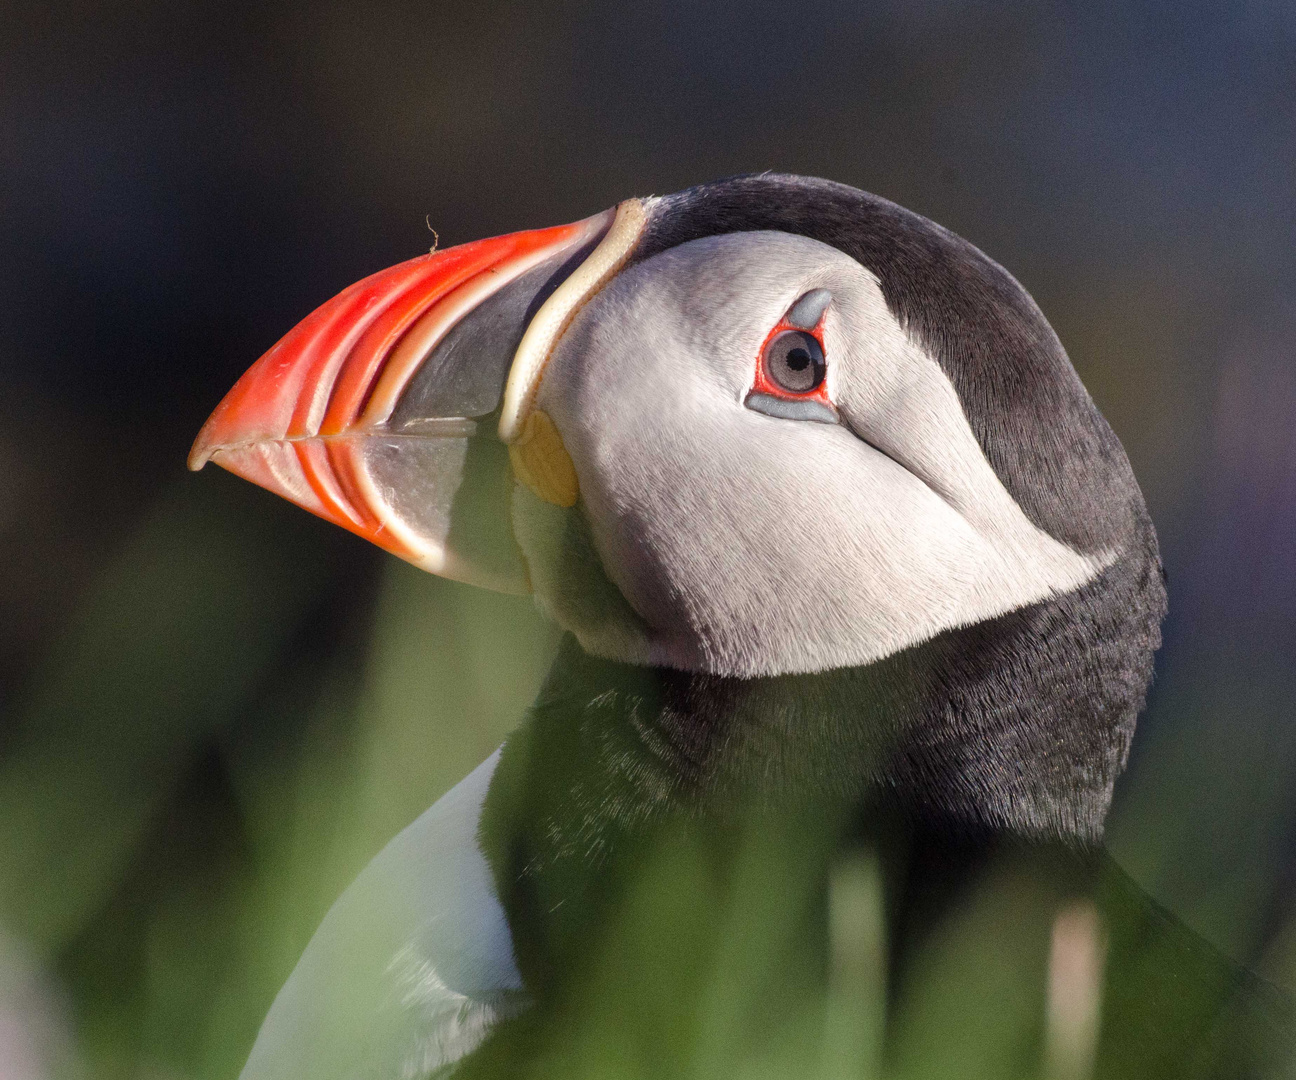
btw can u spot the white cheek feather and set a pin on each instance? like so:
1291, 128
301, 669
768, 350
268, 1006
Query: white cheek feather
751, 545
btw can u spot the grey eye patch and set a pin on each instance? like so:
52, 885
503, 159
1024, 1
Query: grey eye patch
806, 312
786, 409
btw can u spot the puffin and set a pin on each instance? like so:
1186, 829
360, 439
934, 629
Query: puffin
848, 566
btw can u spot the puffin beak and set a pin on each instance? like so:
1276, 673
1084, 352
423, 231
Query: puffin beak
381, 410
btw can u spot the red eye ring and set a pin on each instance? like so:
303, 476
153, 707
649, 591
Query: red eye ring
766, 383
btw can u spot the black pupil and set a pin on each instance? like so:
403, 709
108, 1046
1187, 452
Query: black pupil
794, 361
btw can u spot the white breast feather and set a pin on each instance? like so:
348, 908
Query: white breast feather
410, 968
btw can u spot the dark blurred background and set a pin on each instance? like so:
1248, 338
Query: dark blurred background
214, 708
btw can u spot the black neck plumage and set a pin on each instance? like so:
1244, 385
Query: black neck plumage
614, 759
638, 805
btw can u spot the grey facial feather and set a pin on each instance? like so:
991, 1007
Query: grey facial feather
747, 547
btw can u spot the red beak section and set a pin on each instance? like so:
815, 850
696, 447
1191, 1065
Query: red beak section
309, 420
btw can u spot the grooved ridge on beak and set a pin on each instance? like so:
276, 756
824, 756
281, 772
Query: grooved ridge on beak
556, 314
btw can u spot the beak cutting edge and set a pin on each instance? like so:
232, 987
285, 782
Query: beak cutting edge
312, 420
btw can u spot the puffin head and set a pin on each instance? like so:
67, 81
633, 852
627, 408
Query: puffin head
768, 433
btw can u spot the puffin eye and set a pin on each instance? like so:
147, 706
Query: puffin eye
794, 362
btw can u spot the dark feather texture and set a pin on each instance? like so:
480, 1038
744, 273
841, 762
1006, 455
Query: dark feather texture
620, 772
